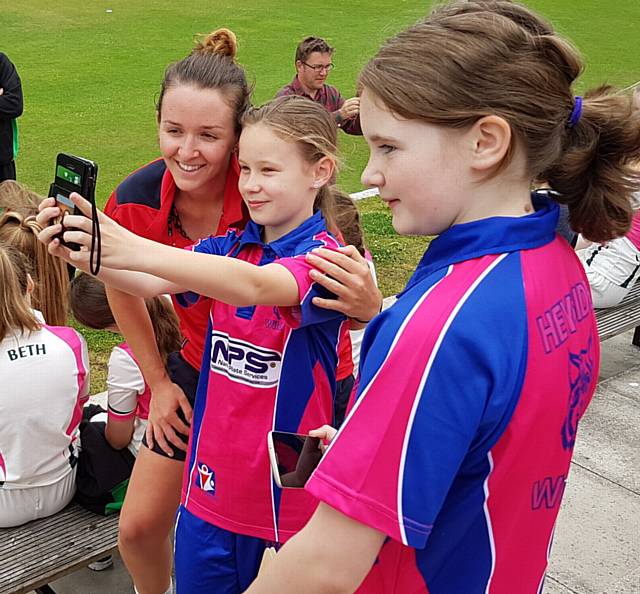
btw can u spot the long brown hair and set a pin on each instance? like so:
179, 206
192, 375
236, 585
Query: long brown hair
90, 307
20, 230
15, 310
348, 221
212, 65
312, 128
14, 196
493, 57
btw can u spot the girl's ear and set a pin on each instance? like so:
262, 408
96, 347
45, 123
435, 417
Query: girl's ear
31, 286
323, 171
491, 138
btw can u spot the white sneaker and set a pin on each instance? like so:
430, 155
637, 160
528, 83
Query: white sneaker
101, 564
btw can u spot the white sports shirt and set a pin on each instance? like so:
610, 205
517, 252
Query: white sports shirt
44, 382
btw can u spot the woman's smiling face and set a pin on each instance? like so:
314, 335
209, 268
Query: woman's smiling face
196, 131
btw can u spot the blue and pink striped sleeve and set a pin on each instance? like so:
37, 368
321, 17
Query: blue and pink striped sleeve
307, 313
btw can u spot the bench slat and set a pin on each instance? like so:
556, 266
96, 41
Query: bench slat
41, 551
615, 320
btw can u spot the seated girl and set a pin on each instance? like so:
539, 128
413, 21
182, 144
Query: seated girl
45, 382
128, 394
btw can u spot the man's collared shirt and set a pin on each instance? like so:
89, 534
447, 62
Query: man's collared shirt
330, 98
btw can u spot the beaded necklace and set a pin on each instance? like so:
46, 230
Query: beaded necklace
174, 222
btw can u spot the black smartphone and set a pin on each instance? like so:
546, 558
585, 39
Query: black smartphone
73, 174
293, 457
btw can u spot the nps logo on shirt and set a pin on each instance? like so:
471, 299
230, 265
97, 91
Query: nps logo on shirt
244, 362
206, 479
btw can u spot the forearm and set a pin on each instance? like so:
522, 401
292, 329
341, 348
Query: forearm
297, 568
11, 104
226, 279
352, 126
119, 433
133, 320
138, 284
332, 554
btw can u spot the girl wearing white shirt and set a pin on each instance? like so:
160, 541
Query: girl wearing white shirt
45, 382
128, 394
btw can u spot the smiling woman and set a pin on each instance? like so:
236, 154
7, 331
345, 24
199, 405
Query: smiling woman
188, 194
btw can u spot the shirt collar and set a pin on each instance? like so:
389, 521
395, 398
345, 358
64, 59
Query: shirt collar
234, 210
494, 235
285, 245
298, 89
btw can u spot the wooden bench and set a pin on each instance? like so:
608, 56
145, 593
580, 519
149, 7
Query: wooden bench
37, 553
616, 320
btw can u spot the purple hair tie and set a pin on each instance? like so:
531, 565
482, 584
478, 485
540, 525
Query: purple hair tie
576, 112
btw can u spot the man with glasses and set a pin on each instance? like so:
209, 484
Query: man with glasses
313, 63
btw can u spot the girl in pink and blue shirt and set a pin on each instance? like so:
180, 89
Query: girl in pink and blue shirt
270, 355
448, 473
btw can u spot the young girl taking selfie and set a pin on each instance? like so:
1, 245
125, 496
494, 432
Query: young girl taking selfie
472, 385
270, 356
188, 194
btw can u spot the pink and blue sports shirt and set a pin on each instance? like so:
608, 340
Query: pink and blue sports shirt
471, 388
264, 368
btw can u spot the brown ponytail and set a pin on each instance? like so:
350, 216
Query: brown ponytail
348, 221
165, 326
50, 276
15, 310
312, 128
90, 307
475, 58
596, 174
212, 65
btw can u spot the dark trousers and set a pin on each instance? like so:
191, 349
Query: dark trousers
7, 170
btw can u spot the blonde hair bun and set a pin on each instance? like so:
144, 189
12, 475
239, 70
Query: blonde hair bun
221, 41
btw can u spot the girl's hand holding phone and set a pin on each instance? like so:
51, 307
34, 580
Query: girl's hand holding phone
118, 244
47, 216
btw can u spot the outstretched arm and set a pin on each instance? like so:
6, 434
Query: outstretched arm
233, 281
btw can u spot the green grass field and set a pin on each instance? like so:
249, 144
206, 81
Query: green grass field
91, 77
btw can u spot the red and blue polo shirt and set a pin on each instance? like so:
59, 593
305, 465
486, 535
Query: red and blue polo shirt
471, 387
142, 203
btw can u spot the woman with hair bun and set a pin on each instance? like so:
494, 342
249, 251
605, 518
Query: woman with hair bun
187, 194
